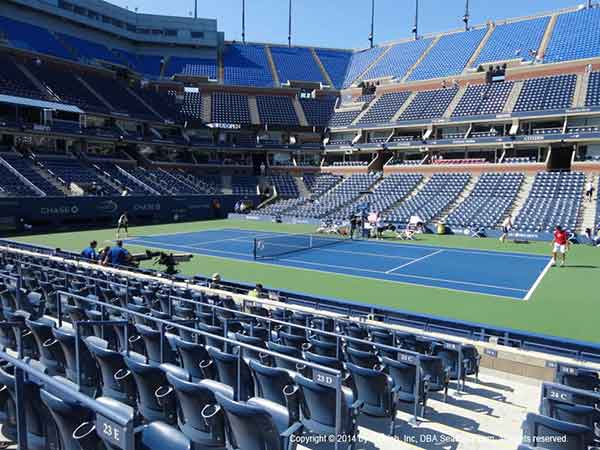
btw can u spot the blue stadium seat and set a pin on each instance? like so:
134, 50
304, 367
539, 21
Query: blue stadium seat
196, 67
276, 110
335, 63
359, 62
429, 104
482, 99
296, 64
514, 40
246, 65
398, 60
384, 108
449, 56
574, 36
557, 434
31, 37
547, 93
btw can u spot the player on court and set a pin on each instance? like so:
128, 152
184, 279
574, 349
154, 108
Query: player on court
123, 224
560, 245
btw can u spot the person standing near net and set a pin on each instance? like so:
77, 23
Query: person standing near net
123, 224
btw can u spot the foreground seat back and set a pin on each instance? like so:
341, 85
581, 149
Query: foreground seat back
191, 354
40, 432
88, 375
226, 367
249, 427
318, 406
149, 380
72, 420
194, 402
555, 434
117, 380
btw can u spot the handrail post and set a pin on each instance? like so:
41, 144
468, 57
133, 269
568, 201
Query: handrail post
161, 328
239, 375
77, 355
20, 409
338, 409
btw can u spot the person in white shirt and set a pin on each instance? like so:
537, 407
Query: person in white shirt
506, 227
123, 224
589, 191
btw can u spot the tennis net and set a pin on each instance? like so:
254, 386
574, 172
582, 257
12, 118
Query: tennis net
273, 246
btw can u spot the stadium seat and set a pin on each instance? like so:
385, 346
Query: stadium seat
88, 374
277, 386
50, 352
154, 400
195, 402
226, 368
40, 432
74, 422
258, 424
190, 354
557, 434
318, 409
117, 381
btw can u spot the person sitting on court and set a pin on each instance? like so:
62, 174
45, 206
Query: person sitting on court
416, 223
90, 252
118, 256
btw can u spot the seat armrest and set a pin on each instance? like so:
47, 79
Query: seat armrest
295, 428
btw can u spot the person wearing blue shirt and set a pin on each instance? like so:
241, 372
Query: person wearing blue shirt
90, 252
118, 256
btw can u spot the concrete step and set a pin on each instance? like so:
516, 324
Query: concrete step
276, 79
581, 89
454, 103
421, 58
299, 112
302, 189
459, 200
477, 52
521, 197
206, 107
254, 114
547, 36
513, 97
93, 91
322, 68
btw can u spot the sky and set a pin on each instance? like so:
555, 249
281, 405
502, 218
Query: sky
342, 23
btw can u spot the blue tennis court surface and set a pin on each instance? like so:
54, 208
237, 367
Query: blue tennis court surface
510, 275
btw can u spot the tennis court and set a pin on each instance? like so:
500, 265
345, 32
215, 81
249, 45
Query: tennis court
511, 275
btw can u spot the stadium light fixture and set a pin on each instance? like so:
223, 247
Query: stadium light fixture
195, 9
466, 17
372, 34
290, 23
244, 21
415, 29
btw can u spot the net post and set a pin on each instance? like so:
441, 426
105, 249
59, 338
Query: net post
254, 249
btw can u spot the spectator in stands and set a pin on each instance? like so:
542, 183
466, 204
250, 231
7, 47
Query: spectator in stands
123, 224
263, 169
102, 254
257, 292
215, 281
589, 191
506, 227
560, 245
90, 251
118, 256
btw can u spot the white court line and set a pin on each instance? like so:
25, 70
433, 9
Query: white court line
383, 280
415, 261
538, 281
217, 241
359, 269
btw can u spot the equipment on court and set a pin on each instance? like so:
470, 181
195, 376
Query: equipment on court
271, 247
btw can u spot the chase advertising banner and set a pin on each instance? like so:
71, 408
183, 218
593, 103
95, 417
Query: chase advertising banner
36, 214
